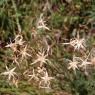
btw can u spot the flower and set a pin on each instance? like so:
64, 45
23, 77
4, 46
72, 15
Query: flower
13, 46
17, 41
85, 62
33, 76
73, 64
41, 70
45, 82
41, 23
41, 57
77, 43
10, 73
80, 44
24, 53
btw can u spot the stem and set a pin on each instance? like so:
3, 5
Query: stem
17, 20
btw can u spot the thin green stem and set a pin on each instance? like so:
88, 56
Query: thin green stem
17, 19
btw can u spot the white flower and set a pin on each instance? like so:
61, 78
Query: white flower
77, 43
10, 73
33, 76
80, 44
24, 53
73, 64
41, 23
45, 82
85, 62
41, 70
13, 46
17, 41
41, 57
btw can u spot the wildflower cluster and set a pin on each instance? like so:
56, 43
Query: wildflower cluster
36, 60
40, 76
22, 53
80, 62
33, 50
77, 43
